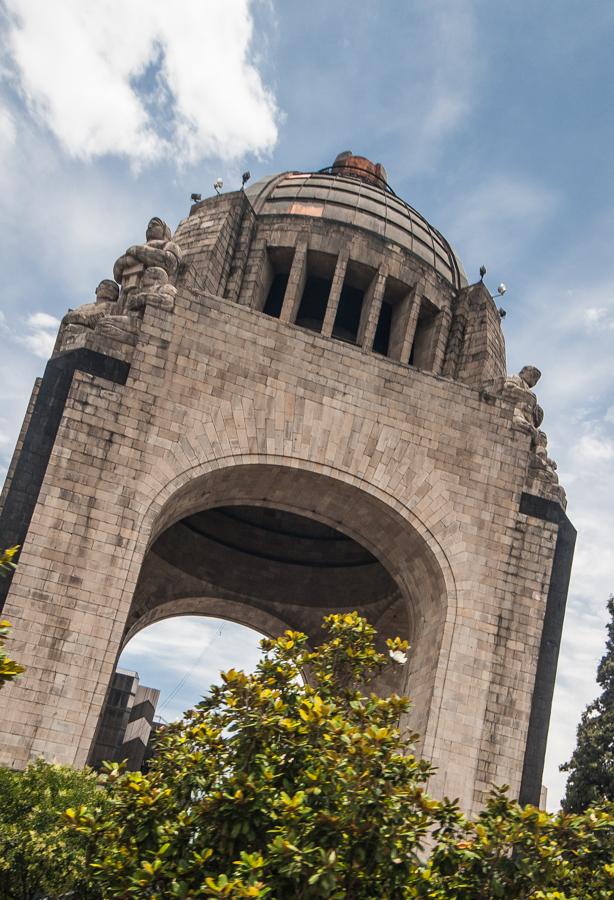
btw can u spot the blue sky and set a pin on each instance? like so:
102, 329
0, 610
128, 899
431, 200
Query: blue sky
493, 119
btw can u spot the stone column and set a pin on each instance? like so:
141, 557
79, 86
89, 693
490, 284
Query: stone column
335, 293
72, 589
400, 347
296, 283
371, 306
440, 339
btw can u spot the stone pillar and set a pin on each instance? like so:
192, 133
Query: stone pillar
440, 338
72, 589
371, 308
335, 293
296, 284
404, 326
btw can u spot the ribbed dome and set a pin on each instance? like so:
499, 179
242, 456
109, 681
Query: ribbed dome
354, 202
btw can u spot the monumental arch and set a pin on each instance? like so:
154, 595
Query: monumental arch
294, 404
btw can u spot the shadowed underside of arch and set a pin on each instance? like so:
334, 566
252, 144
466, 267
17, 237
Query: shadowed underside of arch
274, 546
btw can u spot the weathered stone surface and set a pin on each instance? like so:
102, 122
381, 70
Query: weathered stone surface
422, 466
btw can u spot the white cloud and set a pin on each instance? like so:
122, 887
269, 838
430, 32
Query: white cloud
193, 635
64, 223
8, 132
593, 448
145, 80
595, 314
40, 334
43, 320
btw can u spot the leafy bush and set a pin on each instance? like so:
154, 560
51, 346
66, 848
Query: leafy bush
271, 787
516, 852
8, 668
274, 788
7, 564
40, 856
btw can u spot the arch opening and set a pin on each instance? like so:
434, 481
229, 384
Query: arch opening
274, 546
164, 670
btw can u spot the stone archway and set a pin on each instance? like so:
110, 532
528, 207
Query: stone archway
281, 544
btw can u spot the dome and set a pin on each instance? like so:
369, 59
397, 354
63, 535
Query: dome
347, 193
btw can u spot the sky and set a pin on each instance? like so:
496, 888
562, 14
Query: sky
492, 119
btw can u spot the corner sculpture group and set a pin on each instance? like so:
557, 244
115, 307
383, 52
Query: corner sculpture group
143, 276
528, 416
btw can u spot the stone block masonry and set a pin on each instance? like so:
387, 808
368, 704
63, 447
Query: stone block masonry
197, 451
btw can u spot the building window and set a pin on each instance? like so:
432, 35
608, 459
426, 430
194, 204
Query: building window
318, 275
381, 341
348, 315
312, 310
348, 320
423, 347
394, 318
275, 296
274, 279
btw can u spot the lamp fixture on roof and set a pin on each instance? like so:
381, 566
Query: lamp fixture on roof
501, 291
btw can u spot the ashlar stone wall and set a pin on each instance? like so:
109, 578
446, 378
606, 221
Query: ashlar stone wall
223, 405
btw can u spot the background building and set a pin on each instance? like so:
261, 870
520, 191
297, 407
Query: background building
127, 722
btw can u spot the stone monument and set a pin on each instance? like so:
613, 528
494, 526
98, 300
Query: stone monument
295, 404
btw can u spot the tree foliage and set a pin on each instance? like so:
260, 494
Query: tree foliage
7, 563
523, 852
9, 669
276, 789
39, 855
591, 768
271, 788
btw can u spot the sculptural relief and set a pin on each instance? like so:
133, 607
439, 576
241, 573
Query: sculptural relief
122, 328
144, 272
155, 289
85, 317
142, 276
542, 460
528, 415
88, 314
544, 469
158, 251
